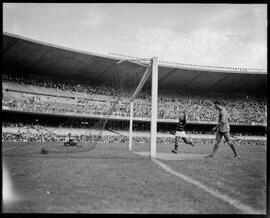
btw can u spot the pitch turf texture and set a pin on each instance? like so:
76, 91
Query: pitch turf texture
110, 179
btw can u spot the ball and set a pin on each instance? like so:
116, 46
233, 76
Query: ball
44, 151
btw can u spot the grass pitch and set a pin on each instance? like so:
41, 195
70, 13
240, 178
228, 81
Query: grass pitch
111, 179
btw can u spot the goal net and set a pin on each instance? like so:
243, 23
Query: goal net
137, 97
120, 109
151, 71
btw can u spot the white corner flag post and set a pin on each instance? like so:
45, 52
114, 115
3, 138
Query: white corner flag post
130, 126
154, 106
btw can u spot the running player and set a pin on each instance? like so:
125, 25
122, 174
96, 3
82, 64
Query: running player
180, 132
222, 129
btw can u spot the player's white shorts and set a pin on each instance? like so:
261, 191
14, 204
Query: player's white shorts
181, 134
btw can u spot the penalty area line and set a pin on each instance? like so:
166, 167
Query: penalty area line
234, 202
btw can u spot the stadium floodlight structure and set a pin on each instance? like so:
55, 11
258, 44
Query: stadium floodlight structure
154, 99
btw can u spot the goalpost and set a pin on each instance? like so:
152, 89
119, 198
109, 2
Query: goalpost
154, 105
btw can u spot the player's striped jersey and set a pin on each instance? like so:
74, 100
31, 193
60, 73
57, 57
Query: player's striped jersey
181, 123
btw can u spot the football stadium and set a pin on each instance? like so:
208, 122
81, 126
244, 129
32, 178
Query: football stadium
89, 133
50, 91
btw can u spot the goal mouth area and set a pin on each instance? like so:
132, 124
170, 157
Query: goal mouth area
36, 139
31, 148
84, 150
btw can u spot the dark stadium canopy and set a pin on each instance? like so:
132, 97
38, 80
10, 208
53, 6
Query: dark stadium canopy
34, 57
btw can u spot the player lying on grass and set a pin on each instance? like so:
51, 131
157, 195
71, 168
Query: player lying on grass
222, 129
180, 132
69, 141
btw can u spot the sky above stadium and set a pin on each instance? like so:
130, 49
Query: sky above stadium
233, 35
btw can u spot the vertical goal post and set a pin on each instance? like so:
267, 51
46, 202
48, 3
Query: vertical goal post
154, 105
130, 126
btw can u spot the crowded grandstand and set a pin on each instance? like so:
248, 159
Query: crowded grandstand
84, 101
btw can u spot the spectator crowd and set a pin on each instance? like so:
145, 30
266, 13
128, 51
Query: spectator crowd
199, 107
26, 133
31, 136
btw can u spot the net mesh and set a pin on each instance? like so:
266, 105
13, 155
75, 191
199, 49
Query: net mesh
111, 127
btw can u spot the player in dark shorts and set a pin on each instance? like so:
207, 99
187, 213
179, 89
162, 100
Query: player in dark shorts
180, 132
222, 129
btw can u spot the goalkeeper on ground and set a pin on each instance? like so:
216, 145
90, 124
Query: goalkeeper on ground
180, 132
69, 141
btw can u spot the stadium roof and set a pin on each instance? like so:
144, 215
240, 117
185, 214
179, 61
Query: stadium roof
31, 56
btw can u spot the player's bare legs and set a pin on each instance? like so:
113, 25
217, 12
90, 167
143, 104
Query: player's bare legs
188, 141
175, 144
217, 143
231, 144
